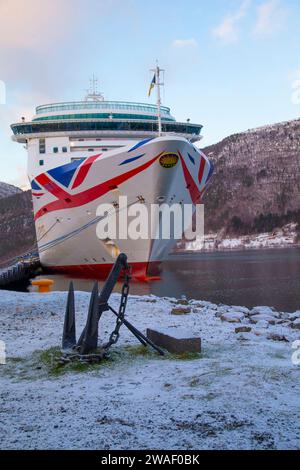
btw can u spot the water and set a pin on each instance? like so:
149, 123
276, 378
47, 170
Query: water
250, 278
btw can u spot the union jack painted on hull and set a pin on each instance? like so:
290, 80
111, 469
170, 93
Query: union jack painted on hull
71, 193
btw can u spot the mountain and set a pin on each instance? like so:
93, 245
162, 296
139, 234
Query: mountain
17, 232
8, 190
256, 183
255, 189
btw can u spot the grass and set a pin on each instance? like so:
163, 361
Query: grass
185, 356
50, 360
15, 360
279, 355
125, 354
209, 397
138, 350
42, 364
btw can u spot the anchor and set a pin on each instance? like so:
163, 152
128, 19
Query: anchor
86, 348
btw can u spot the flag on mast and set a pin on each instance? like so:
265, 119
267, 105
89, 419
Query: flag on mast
153, 82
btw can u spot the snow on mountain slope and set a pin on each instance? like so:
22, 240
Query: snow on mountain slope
8, 190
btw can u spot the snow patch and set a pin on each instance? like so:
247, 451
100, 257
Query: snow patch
242, 393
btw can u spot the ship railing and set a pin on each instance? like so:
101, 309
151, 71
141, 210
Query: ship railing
113, 105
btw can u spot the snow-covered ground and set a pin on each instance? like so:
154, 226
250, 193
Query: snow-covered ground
242, 393
281, 238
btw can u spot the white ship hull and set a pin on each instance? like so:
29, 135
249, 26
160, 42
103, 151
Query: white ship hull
66, 202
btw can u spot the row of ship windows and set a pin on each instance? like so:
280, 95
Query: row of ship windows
105, 105
55, 149
65, 150
42, 162
117, 126
42, 148
103, 116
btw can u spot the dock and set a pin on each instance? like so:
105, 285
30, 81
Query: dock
20, 269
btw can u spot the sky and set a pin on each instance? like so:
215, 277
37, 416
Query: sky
230, 65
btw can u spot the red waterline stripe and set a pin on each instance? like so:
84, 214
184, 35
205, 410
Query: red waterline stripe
140, 270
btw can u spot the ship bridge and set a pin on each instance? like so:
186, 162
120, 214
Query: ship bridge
100, 110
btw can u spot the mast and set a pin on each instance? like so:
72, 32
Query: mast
92, 93
157, 81
158, 84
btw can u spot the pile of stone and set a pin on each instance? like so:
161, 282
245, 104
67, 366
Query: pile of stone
256, 320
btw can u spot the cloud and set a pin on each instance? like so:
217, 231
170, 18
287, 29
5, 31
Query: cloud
295, 74
21, 179
270, 18
185, 43
47, 49
42, 40
20, 105
33, 34
227, 30
29, 24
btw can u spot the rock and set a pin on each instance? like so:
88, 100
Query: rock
259, 332
244, 310
183, 300
294, 316
180, 310
283, 322
262, 316
211, 306
277, 337
262, 324
201, 310
203, 303
196, 304
242, 337
232, 317
175, 341
167, 385
285, 316
243, 329
28, 428
296, 324
262, 310
224, 308
219, 314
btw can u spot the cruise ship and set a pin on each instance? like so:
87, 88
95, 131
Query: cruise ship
85, 153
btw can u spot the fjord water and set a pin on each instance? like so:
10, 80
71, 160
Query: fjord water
250, 278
